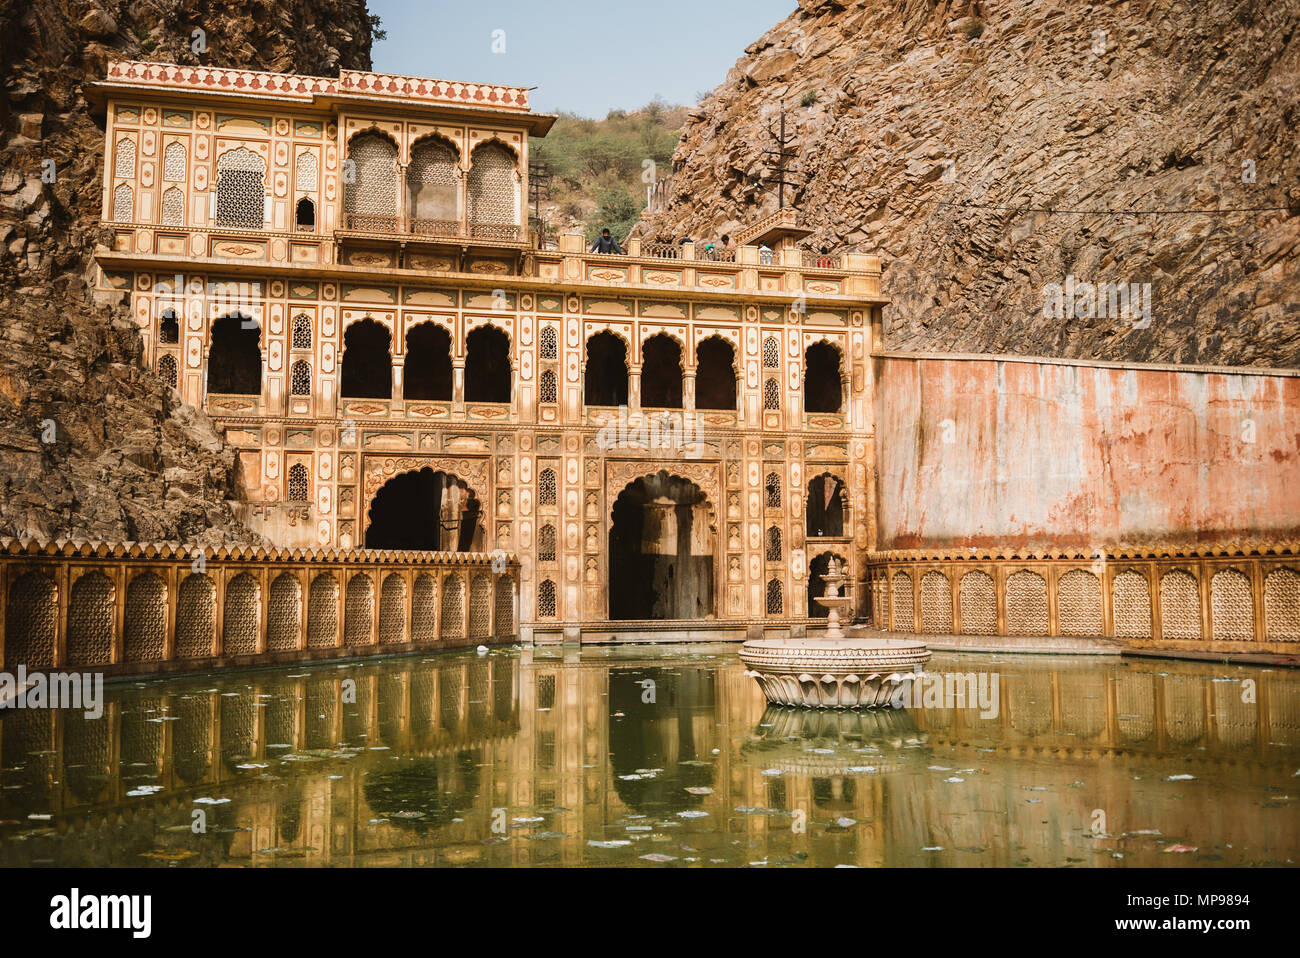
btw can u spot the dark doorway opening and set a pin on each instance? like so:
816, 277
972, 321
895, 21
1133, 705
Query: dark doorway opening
661, 546
367, 362
822, 391
817, 584
661, 373
234, 361
605, 378
426, 511
487, 365
304, 216
428, 363
715, 374
827, 502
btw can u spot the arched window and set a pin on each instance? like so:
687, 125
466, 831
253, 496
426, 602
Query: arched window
367, 362
771, 394
773, 488
167, 369
304, 216
546, 488
169, 330
548, 387
124, 159
546, 544
822, 391
715, 375
301, 332
605, 378
173, 207
174, 162
370, 199
304, 173
299, 483
241, 190
433, 188
773, 544
428, 373
775, 597
546, 599
123, 204
661, 373
771, 353
548, 343
300, 378
493, 190
827, 502
487, 365
234, 360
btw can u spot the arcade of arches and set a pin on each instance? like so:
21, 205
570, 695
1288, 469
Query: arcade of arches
426, 510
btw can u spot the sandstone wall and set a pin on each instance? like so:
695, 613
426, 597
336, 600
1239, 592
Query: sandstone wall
1008, 103
1037, 454
127, 459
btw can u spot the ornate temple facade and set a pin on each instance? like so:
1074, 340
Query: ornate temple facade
341, 273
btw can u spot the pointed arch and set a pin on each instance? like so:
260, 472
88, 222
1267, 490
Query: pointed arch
487, 365
822, 371
241, 190
604, 380
715, 374
367, 367
427, 373
234, 357
433, 186
661, 372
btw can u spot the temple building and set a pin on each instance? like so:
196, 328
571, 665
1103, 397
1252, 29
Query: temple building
340, 272
672, 443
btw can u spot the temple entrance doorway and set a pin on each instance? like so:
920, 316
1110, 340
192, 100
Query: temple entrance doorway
426, 510
661, 546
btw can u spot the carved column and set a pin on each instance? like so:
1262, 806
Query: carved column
633, 388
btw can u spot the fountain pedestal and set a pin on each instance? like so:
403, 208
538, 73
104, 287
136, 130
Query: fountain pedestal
834, 671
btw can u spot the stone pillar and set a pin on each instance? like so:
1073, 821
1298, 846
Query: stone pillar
399, 374
688, 389
458, 385
633, 388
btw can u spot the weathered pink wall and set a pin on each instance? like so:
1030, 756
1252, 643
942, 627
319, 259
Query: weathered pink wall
1045, 454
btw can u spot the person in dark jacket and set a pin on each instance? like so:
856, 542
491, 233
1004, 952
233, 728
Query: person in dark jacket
606, 244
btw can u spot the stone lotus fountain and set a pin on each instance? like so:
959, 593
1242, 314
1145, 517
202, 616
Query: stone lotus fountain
834, 670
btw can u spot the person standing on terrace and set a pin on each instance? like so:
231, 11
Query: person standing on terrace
606, 244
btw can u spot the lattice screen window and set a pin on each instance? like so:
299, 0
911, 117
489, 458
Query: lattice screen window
548, 343
480, 611
358, 607
167, 370
1231, 607
936, 603
546, 488
771, 395
299, 483
505, 606
903, 605
775, 597
374, 191
284, 613
546, 599
323, 612
432, 184
1180, 605
241, 190
1282, 604
493, 187
173, 207
174, 162
301, 332
453, 607
123, 204
771, 353
304, 173
1078, 603
90, 620
300, 379
546, 544
124, 159
1131, 605
773, 544
547, 389
979, 604
1026, 603
145, 619
773, 487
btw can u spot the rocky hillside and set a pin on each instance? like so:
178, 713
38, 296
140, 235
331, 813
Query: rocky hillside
91, 443
904, 109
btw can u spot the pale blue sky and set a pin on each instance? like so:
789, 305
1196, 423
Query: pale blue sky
585, 58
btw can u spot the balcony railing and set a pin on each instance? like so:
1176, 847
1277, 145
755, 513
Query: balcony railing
813, 260
439, 229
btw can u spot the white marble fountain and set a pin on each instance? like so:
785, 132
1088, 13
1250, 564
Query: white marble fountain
834, 671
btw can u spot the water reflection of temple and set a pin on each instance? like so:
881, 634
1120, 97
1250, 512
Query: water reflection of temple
411, 769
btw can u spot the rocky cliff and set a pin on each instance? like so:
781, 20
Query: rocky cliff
922, 127
91, 443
